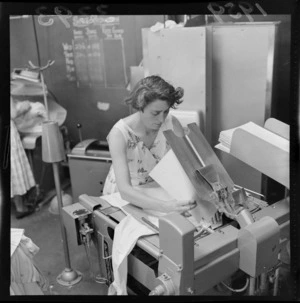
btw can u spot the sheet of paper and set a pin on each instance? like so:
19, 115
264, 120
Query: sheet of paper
157, 192
170, 175
222, 147
152, 190
226, 136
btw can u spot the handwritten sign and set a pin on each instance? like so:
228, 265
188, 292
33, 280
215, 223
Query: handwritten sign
80, 55
94, 57
69, 60
96, 53
115, 63
232, 10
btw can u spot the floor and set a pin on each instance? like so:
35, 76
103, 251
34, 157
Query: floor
44, 229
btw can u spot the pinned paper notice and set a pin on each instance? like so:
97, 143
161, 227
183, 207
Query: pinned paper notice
170, 175
103, 106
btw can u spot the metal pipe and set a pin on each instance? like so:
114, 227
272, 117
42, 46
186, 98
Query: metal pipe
276, 280
45, 95
244, 218
68, 277
55, 166
263, 284
98, 244
90, 158
250, 191
251, 290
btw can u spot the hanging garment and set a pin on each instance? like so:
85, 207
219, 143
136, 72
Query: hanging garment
22, 178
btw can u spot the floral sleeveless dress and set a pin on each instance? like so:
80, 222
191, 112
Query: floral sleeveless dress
141, 160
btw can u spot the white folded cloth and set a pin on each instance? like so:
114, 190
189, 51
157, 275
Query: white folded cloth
16, 235
127, 232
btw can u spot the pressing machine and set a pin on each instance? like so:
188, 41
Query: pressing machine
239, 255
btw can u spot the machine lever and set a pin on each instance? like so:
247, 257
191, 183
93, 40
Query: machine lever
102, 240
79, 131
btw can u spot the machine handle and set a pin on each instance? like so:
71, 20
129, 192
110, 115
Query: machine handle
79, 131
250, 191
102, 246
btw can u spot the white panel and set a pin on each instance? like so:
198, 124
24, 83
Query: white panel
151, 52
242, 78
183, 63
179, 56
186, 117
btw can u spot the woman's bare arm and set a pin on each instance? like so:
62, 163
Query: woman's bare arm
117, 147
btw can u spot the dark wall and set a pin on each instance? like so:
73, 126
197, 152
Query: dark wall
281, 89
92, 64
100, 61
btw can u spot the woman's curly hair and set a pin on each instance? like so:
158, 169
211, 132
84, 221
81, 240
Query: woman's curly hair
152, 88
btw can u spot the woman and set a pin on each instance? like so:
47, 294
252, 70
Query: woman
137, 143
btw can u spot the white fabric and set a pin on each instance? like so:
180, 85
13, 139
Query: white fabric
127, 232
15, 238
32, 120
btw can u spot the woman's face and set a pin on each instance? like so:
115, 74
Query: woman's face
154, 114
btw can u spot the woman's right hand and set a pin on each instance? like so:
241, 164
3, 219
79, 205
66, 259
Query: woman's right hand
179, 206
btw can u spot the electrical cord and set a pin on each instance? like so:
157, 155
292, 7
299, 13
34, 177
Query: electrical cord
237, 290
